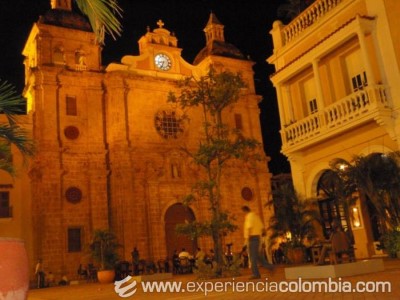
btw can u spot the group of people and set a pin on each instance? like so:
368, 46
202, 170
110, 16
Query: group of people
251, 254
47, 279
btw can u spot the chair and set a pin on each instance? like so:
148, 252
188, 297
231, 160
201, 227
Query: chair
316, 253
141, 267
82, 273
151, 267
341, 248
161, 265
122, 270
92, 273
184, 265
175, 265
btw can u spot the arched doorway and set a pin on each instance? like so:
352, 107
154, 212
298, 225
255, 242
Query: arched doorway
178, 214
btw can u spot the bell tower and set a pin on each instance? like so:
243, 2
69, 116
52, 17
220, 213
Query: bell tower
214, 30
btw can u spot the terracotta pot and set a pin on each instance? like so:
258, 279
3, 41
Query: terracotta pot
106, 276
14, 269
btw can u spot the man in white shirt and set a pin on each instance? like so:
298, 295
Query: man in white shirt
39, 274
184, 254
253, 230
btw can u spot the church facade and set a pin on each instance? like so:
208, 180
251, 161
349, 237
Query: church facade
108, 144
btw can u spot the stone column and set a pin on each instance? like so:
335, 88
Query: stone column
365, 57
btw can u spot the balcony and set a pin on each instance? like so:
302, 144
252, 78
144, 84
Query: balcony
308, 17
369, 103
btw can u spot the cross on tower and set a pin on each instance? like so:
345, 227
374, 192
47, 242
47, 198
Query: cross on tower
160, 23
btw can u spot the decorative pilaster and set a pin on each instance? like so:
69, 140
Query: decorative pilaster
320, 95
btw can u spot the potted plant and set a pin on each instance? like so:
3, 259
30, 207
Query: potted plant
104, 251
390, 241
293, 222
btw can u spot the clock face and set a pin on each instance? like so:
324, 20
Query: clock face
163, 62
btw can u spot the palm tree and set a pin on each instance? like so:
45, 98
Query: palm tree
378, 177
292, 215
333, 188
11, 105
103, 17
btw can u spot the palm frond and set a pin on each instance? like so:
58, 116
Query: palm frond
11, 103
103, 17
13, 134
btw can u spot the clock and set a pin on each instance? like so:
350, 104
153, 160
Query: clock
163, 62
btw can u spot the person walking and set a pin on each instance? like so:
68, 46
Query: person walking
40, 275
253, 230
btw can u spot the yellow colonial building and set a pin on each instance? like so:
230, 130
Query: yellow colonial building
338, 87
108, 144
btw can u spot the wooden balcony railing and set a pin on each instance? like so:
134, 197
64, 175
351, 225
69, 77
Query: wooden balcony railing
348, 109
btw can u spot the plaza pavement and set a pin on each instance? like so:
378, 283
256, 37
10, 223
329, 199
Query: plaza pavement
96, 291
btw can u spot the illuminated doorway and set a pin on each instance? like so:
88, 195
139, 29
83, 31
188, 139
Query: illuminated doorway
178, 214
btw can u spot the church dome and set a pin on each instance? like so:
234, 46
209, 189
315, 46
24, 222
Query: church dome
218, 48
67, 19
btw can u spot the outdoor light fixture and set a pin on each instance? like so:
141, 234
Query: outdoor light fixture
356, 217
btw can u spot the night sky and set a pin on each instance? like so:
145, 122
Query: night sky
247, 25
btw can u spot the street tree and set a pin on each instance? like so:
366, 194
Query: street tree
212, 95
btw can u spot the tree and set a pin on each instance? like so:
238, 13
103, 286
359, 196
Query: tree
11, 105
332, 186
292, 215
378, 177
103, 249
212, 95
102, 15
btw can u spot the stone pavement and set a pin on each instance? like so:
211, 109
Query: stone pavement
96, 291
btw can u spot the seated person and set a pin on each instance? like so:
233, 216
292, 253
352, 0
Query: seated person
184, 254
200, 255
64, 280
175, 262
338, 243
209, 258
245, 257
50, 279
82, 272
